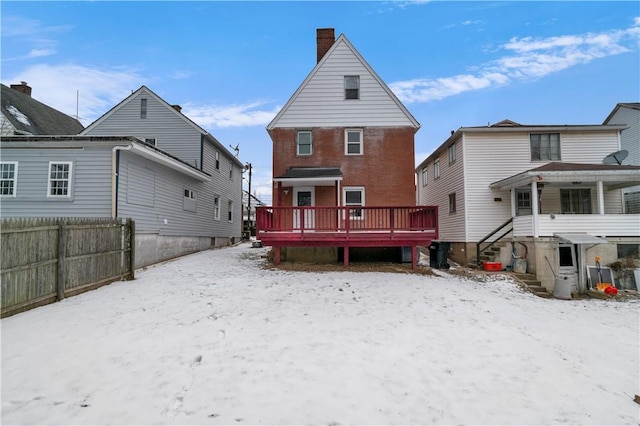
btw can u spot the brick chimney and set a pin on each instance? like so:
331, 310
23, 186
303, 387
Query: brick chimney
325, 37
23, 87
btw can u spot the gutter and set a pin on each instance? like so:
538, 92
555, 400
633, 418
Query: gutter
115, 175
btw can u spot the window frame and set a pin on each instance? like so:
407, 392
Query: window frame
436, 168
452, 153
189, 200
217, 160
452, 203
230, 170
143, 108
551, 155
230, 211
13, 179
298, 144
353, 214
360, 143
351, 93
573, 192
524, 202
68, 179
216, 207
425, 176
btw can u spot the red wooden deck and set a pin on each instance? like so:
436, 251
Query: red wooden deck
347, 227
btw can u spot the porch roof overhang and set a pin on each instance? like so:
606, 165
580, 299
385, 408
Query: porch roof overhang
613, 176
580, 238
310, 176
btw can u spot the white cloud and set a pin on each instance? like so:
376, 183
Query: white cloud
526, 58
61, 86
236, 115
37, 53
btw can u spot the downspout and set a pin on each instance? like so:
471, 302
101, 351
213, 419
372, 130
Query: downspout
115, 176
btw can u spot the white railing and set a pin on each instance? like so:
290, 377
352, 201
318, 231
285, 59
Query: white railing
609, 225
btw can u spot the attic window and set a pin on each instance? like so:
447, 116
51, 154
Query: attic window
352, 87
143, 108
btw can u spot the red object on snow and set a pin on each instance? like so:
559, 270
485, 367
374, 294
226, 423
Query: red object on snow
492, 266
611, 290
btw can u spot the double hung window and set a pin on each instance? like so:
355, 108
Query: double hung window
436, 168
8, 176
354, 196
352, 87
59, 179
304, 142
576, 201
424, 176
353, 142
545, 146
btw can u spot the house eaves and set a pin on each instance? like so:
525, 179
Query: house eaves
343, 39
614, 176
137, 147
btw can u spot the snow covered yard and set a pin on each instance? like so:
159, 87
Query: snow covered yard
213, 338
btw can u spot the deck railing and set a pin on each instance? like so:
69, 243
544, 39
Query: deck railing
346, 219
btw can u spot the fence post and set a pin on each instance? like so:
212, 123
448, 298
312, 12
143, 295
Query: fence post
62, 243
131, 226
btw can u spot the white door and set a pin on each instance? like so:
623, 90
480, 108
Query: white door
303, 197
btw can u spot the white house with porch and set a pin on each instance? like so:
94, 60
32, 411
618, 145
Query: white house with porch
541, 193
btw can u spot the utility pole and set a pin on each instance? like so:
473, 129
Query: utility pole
248, 167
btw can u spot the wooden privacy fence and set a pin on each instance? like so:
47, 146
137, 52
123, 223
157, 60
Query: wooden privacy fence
44, 260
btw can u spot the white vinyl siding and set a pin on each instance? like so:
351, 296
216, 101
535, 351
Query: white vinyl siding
321, 103
59, 183
8, 178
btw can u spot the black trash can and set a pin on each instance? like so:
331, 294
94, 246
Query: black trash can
434, 248
442, 257
438, 254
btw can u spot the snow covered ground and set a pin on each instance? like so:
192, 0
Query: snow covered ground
213, 338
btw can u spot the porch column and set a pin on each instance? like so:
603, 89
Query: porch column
534, 208
513, 202
600, 198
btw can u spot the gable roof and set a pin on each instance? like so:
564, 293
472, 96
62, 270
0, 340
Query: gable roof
178, 114
342, 41
29, 116
630, 105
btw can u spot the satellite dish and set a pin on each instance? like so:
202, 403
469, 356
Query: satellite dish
616, 157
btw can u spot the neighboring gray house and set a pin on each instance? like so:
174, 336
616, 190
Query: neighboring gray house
179, 184
629, 114
23, 115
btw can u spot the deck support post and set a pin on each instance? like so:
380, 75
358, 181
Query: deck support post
276, 259
414, 257
346, 256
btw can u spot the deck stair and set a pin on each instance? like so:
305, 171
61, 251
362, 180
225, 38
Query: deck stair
530, 283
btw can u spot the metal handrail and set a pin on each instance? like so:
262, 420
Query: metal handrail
492, 233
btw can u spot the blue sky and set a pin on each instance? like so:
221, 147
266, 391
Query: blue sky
233, 65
